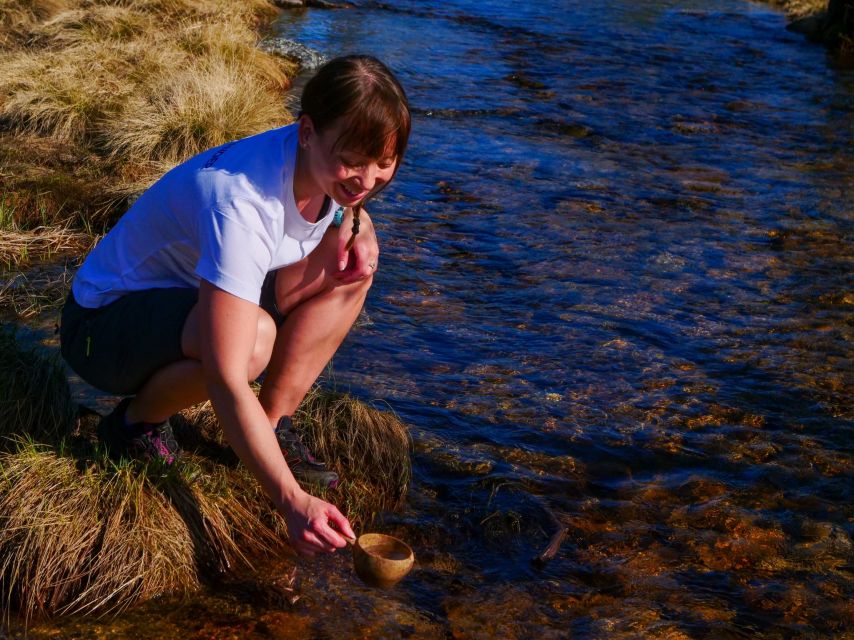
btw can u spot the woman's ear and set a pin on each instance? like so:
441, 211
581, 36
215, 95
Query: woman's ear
306, 131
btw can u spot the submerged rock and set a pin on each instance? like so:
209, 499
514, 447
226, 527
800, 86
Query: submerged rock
307, 58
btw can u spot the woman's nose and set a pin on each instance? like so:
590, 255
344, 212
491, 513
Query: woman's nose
370, 175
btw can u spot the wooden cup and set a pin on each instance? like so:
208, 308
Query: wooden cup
381, 560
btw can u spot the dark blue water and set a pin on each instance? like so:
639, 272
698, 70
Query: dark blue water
615, 293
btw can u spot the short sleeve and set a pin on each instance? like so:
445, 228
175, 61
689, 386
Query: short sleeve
236, 250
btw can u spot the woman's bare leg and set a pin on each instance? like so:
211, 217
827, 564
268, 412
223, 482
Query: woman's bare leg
319, 313
181, 384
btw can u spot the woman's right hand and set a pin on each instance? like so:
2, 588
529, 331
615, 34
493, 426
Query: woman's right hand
309, 531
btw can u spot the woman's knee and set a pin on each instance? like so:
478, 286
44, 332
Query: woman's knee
359, 288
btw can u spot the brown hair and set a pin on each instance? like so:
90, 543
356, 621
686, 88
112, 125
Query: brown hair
364, 92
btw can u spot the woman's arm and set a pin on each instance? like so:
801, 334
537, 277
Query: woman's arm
227, 331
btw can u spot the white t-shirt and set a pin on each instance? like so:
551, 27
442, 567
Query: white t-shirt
227, 215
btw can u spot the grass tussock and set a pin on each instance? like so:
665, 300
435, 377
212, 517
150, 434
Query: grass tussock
367, 447
19, 17
34, 395
81, 534
134, 85
370, 448
199, 107
84, 536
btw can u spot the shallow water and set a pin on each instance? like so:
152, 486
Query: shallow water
615, 295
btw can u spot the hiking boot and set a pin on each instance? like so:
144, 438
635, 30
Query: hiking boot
144, 441
304, 466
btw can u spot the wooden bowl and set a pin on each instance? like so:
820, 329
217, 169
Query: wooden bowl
381, 560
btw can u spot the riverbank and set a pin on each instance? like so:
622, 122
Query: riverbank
80, 533
97, 100
830, 22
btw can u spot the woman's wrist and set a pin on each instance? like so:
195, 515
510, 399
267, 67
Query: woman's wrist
289, 499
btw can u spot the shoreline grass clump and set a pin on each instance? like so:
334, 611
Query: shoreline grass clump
368, 448
35, 401
80, 533
19, 17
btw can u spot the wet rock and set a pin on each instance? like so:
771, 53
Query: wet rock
830, 23
314, 4
307, 58
288, 4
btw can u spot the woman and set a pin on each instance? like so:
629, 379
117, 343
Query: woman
230, 266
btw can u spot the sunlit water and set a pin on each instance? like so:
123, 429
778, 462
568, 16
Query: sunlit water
615, 295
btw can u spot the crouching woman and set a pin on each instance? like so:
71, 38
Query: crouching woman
253, 257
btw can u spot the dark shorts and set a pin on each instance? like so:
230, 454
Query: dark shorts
117, 347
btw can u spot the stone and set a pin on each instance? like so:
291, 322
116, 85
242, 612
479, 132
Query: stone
307, 58
326, 4
289, 4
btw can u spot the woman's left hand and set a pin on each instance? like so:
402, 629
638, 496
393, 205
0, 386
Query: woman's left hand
362, 260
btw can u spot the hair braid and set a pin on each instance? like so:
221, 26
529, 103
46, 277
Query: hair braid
356, 222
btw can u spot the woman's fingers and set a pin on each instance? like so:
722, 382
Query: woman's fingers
362, 259
336, 530
341, 523
313, 532
313, 543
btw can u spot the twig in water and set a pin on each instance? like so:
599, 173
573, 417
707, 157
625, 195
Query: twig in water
551, 550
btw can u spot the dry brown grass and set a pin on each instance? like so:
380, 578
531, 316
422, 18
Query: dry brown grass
41, 290
19, 17
199, 107
135, 85
367, 447
81, 534
370, 448
22, 248
34, 398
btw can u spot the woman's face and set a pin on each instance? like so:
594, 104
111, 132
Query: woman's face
348, 177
